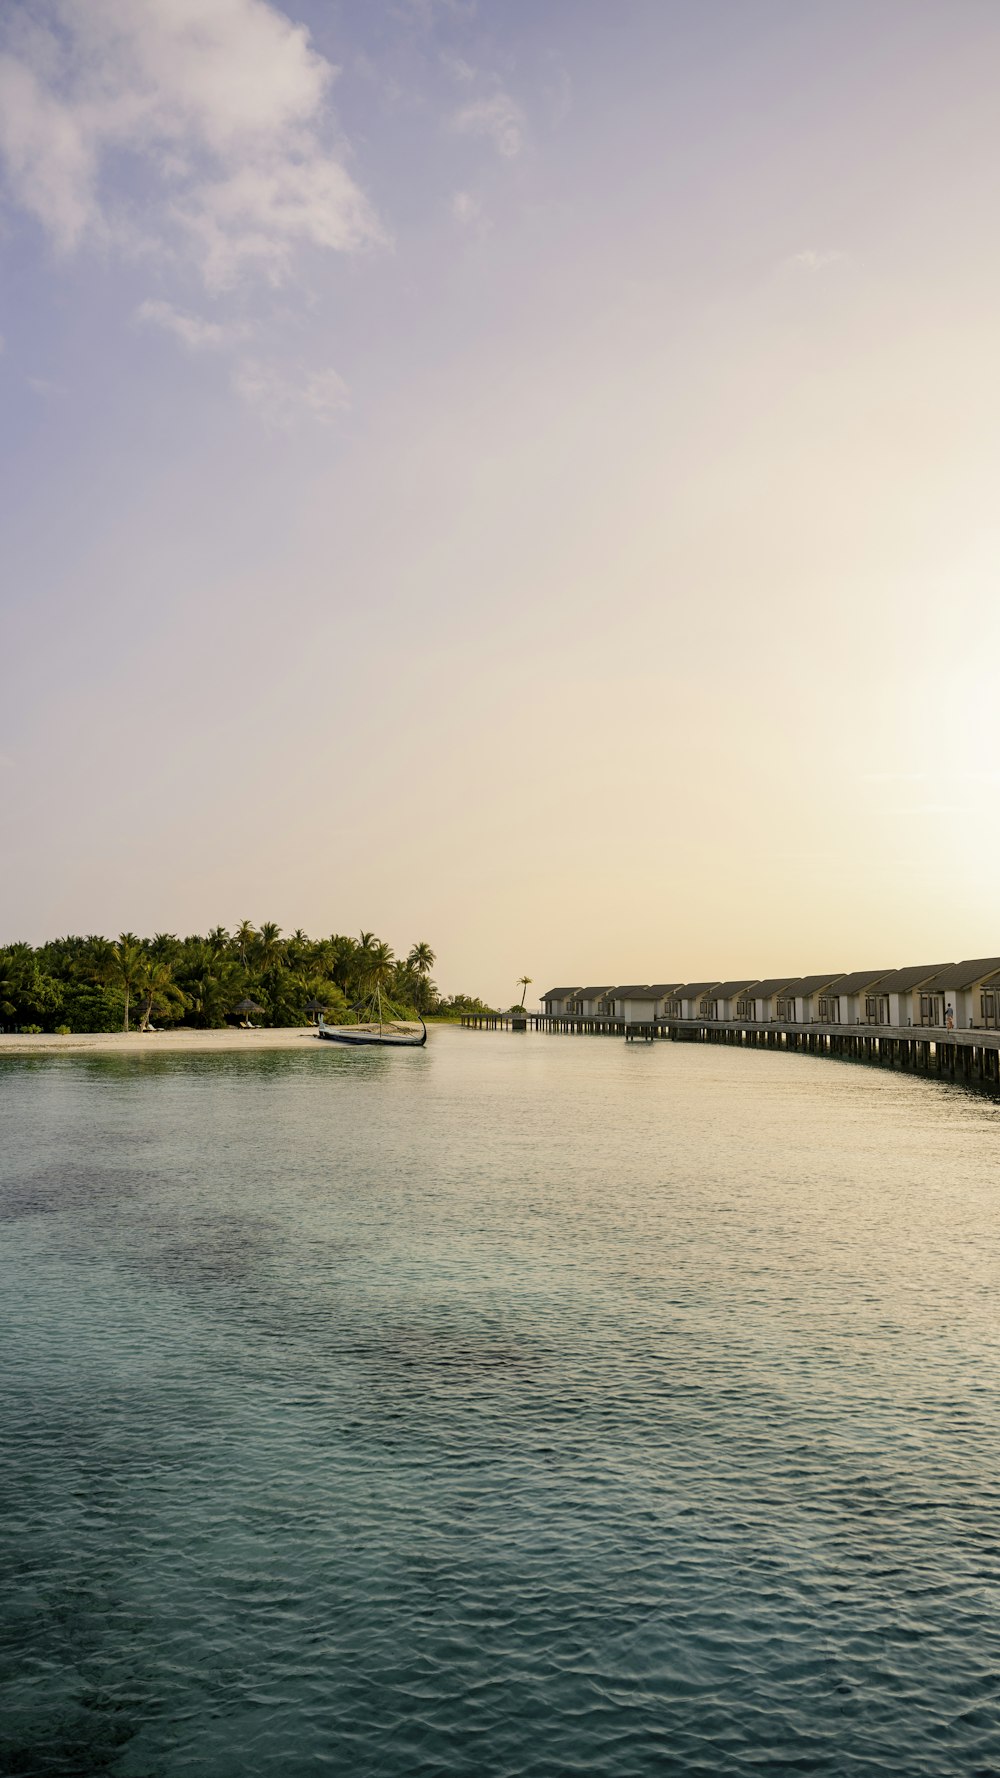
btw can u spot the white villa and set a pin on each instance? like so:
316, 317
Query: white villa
805, 995
723, 999
843, 1003
933, 996
968, 993
556, 1003
640, 1005
595, 1003
761, 998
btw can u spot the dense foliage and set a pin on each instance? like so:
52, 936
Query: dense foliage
99, 984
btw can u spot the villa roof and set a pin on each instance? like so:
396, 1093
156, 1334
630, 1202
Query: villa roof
588, 993
656, 991
812, 984
899, 980
773, 985
690, 989
730, 988
860, 980
560, 993
630, 990
965, 975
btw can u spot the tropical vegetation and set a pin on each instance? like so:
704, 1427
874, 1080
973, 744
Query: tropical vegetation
132, 983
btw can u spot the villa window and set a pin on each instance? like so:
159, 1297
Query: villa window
744, 1009
930, 1009
988, 1006
829, 1009
786, 1008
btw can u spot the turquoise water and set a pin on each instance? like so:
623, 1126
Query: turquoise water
527, 1405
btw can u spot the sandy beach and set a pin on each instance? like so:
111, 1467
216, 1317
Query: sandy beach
160, 1042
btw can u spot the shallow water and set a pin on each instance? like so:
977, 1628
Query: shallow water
526, 1405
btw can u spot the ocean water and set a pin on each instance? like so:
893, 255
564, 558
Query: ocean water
525, 1407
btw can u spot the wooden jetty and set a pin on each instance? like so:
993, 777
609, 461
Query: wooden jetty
970, 1057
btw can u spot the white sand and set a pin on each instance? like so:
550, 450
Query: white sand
160, 1042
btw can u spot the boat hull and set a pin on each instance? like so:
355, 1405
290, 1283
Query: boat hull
355, 1038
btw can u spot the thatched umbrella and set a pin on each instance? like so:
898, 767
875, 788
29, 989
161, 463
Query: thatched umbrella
246, 1007
316, 1007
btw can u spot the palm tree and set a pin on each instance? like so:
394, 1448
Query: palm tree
157, 989
421, 958
243, 938
524, 983
269, 950
124, 967
217, 940
380, 961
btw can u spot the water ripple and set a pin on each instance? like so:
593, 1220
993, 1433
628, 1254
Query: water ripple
527, 1409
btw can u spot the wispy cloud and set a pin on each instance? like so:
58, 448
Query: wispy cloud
813, 259
499, 117
192, 330
282, 396
458, 67
466, 208
222, 107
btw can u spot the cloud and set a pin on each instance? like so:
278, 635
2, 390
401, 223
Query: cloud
499, 118
465, 208
219, 104
281, 397
458, 67
192, 330
813, 259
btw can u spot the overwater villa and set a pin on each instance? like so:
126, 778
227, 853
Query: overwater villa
595, 1002
721, 1002
843, 1003
557, 1002
931, 996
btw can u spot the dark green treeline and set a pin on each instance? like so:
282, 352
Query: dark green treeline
101, 984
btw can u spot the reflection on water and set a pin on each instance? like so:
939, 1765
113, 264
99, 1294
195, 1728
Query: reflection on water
521, 1405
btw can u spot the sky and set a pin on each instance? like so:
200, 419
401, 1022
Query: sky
517, 474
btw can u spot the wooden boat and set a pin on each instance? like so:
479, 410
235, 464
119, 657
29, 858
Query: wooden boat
381, 1026
391, 1033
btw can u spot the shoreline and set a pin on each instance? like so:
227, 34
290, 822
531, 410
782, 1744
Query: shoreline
277, 1037
230, 1037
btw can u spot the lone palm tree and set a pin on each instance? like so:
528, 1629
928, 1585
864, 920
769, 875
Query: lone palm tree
524, 983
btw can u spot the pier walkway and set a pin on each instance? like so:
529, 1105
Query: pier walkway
972, 1057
